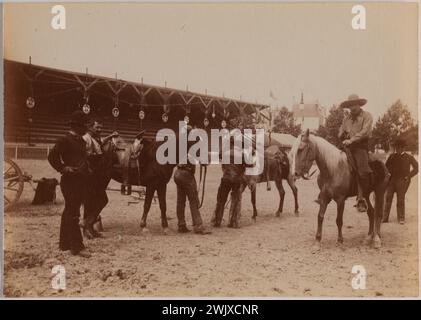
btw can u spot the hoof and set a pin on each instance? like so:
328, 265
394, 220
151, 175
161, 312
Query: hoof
297, 213
145, 230
339, 241
316, 247
377, 243
254, 219
278, 213
165, 231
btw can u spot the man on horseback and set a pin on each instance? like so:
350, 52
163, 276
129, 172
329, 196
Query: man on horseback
98, 178
355, 132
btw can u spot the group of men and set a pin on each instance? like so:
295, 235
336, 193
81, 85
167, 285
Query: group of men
231, 181
78, 157
355, 133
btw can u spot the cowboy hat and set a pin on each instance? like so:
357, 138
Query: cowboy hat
353, 99
78, 118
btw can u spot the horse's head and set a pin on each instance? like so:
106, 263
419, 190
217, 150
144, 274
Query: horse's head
303, 155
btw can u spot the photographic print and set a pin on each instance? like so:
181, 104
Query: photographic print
210, 150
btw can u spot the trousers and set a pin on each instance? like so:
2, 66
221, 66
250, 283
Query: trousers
187, 189
224, 189
400, 187
73, 189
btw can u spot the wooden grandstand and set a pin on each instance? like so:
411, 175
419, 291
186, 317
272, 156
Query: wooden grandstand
57, 93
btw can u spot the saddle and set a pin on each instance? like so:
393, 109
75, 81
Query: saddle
276, 160
127, 163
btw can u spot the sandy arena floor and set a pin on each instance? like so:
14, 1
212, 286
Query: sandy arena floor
271, 257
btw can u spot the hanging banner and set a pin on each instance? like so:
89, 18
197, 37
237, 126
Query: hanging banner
30, 102
86, 108
116, 112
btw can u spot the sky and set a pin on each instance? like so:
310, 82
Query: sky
237, 50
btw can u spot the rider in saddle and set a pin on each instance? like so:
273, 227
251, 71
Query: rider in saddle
355, 132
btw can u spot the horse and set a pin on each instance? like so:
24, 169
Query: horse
277, 168
337, 181
136, 164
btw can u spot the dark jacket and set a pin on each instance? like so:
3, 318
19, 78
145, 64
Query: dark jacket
69, 151
399, 165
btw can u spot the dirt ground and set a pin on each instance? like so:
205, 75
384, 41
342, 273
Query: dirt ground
271, 257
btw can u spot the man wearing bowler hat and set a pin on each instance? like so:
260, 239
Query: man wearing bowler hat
68, 157
355, 132
399, 165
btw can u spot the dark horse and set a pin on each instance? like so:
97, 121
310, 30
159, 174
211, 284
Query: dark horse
132, 167
336, 181
276, 168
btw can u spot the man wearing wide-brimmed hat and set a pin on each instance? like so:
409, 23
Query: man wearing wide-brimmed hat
355, 132
399, 165
68, 157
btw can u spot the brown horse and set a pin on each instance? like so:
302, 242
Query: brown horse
336, 181
131, 167
277, 168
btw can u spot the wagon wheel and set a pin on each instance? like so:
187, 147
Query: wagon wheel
13, 182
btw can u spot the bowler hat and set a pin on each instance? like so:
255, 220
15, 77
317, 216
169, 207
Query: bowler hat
78, 118
353, 99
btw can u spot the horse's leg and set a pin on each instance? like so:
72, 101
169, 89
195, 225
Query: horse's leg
378, 215
340, 203
281, 191
294, 189
150, 190
253, 202
324, 201
370, 214
162, 193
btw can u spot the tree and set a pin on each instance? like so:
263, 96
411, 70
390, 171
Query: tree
393, 123
330, 129
284, 123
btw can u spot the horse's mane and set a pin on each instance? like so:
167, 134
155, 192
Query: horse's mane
330, 154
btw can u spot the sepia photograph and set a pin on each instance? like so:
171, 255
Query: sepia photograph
210, 150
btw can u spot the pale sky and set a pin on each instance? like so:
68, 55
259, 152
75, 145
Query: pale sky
238, 49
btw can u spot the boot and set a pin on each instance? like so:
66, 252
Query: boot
364, 189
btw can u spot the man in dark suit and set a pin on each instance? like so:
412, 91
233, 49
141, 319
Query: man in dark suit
399, 165
68, 157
